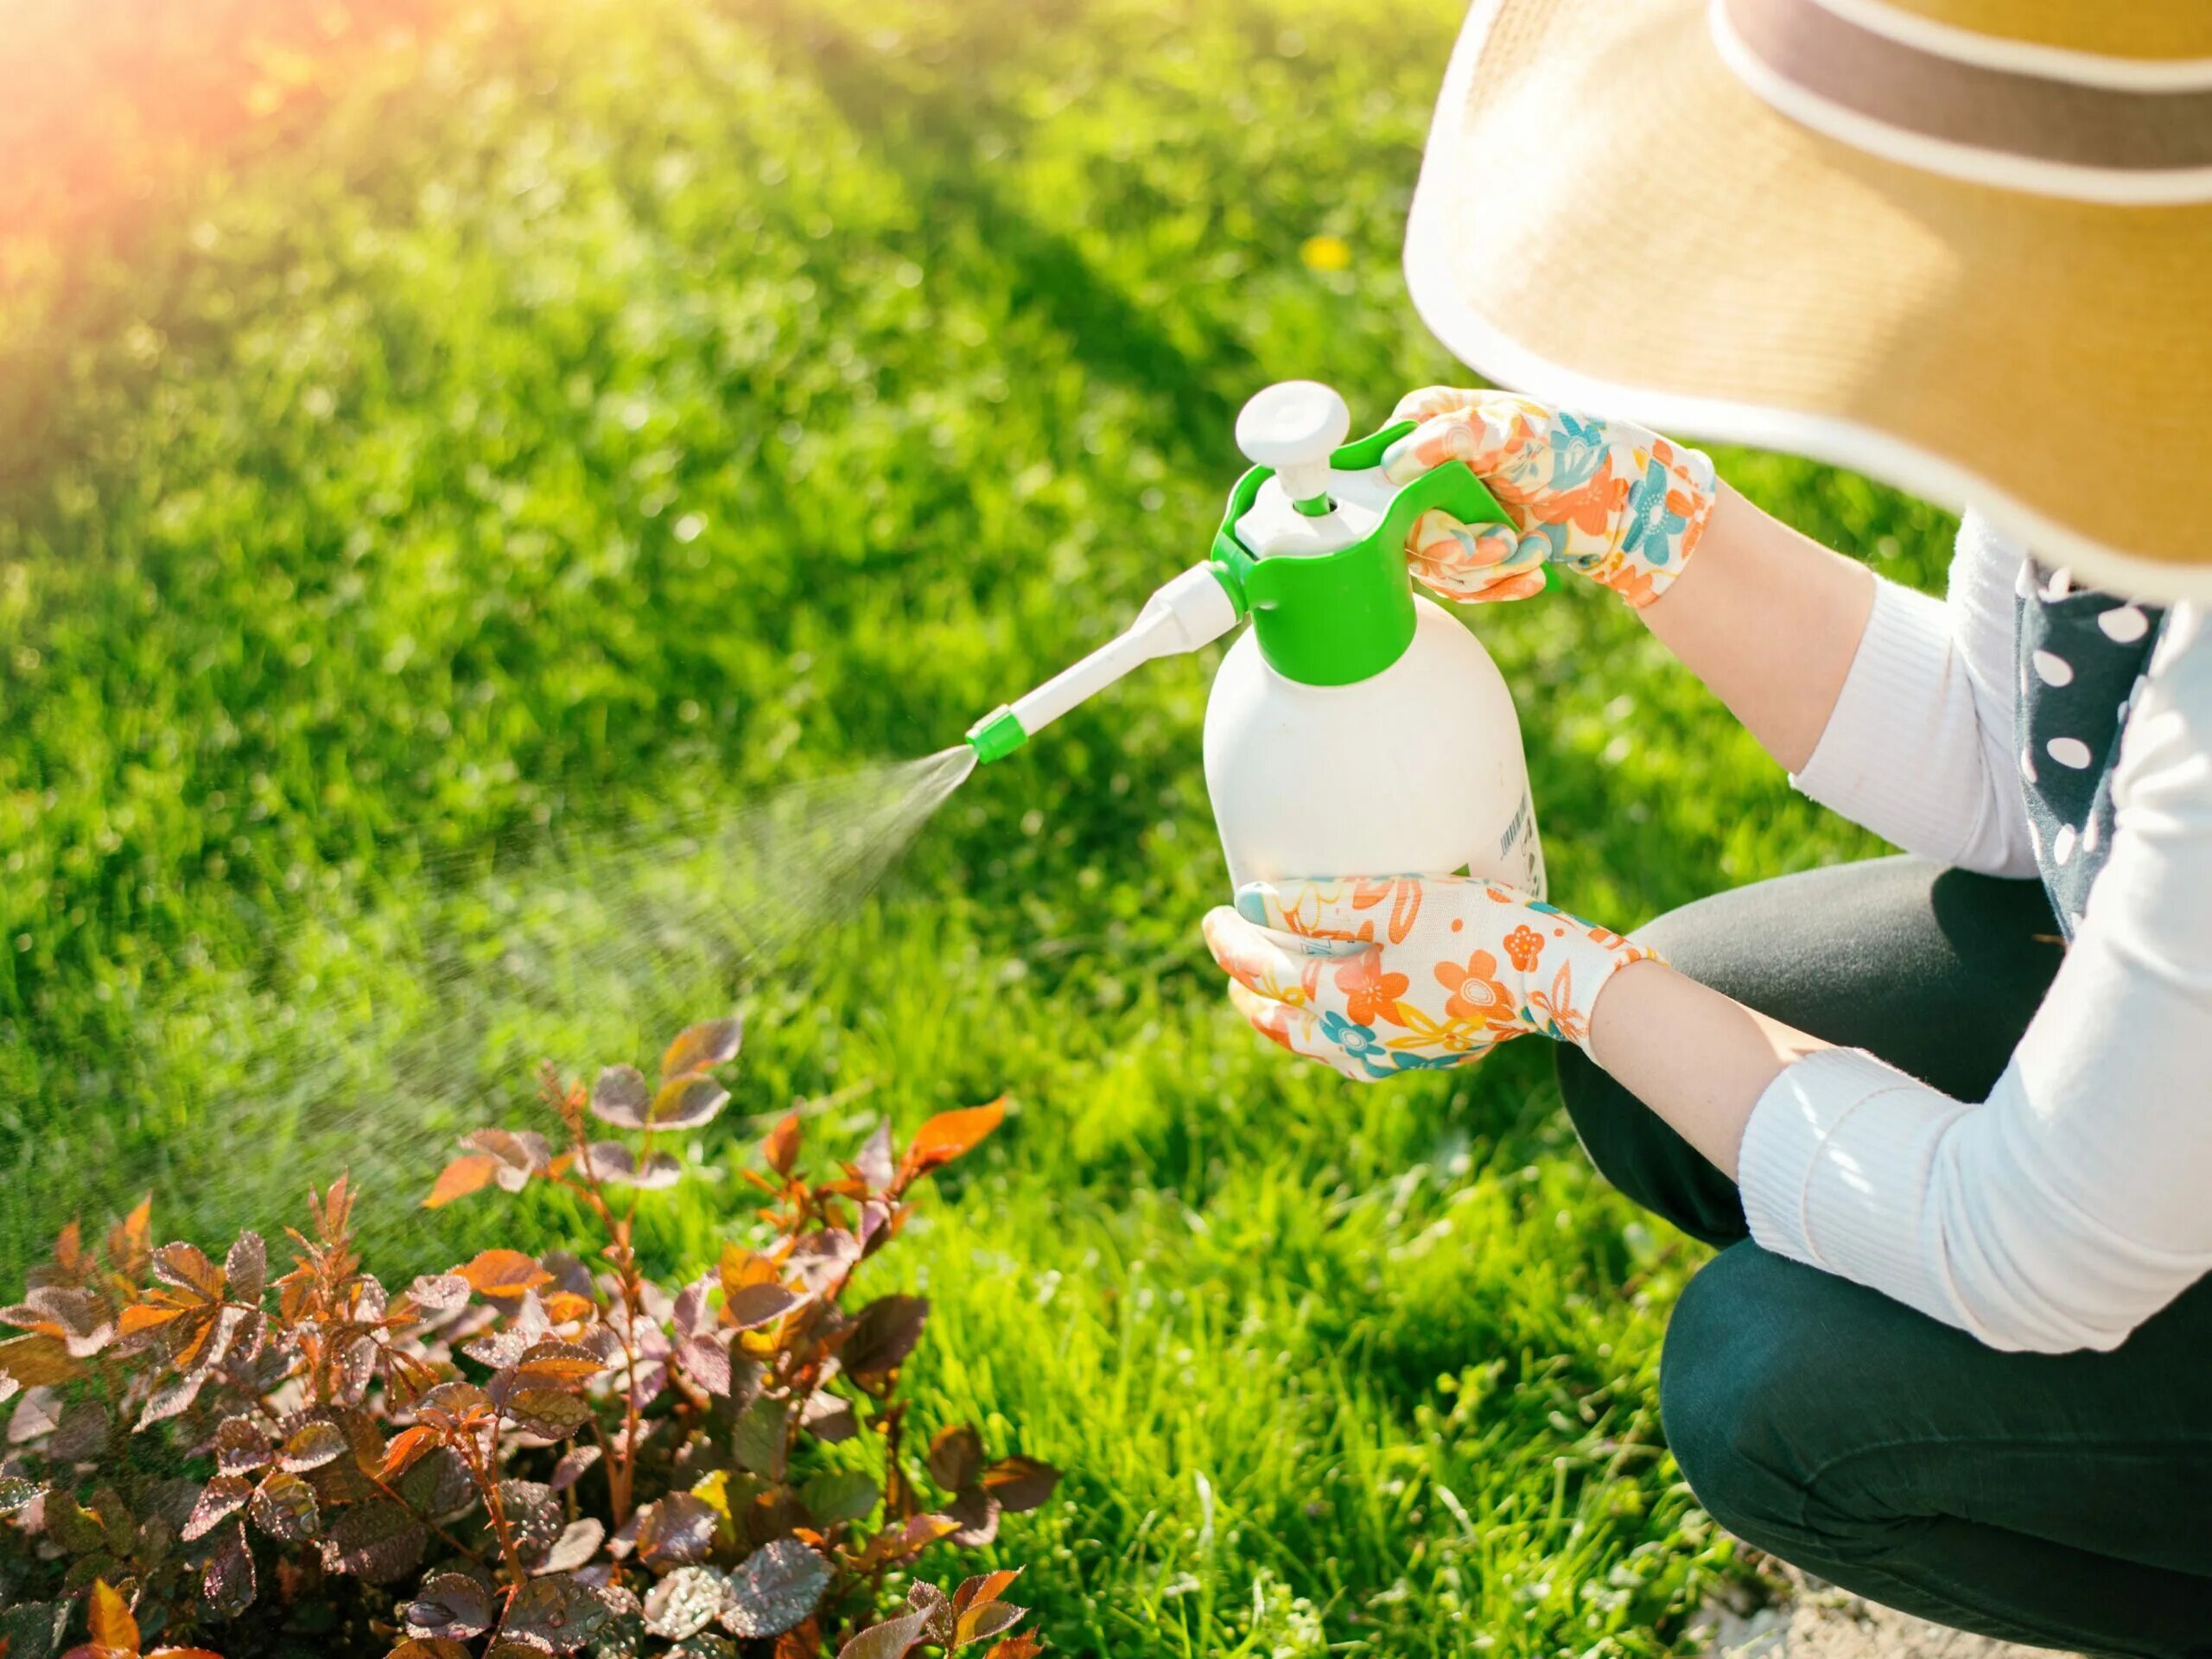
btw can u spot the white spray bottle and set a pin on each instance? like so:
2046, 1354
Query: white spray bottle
1356, 728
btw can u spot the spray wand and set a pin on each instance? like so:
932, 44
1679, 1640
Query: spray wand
1355, 727
1307, 496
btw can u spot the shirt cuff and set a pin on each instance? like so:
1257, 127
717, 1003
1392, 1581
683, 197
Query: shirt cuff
1858, 768
1834, 1168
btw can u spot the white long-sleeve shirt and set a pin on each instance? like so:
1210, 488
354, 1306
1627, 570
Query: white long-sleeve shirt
2077, 1201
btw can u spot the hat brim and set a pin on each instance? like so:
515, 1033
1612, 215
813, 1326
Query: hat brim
1607, 217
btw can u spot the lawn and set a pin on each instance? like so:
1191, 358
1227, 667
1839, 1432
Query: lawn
435, 520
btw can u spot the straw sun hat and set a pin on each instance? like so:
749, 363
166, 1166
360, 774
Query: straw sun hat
1964, 245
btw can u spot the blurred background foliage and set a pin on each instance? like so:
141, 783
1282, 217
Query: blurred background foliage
447, 449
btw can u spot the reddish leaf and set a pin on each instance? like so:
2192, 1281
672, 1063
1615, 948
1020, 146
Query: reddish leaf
884, 1334
955, 1457
620, 1098
611, 1162
186, 1267
875, 1164
520, 1155
549, 1414
460, 1178
406, 1445
684, 1603
948, 1134
247, 1268
130, 1241
715, 1042
437, 1486
69, 1246
556, 1613
985, 1620
376, 1542
779, 1584
741, 1267
311, 1445
505, 1273
241, 1446
566, 1308
200, 1338
1020, 1483
283, 1507
759, 1305
686, 1103
894, 1640
452, 1607
689, 1316
676, 1530
706, 1362
975, 1516
818, 1260
220, 1499
829, 1417
438, 1292
578, 1542
923, 1597
923, 1530
37, 1362
780, 1147
454, 1402
879, 1222
1024, 1646
109, 1618
227, 1581
429, 1648
35, 1415
984, 1587
561, 1364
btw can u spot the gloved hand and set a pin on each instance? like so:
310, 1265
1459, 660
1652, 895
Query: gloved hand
1410, 973
1620, 505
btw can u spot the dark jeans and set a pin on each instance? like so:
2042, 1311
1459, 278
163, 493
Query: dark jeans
2059, 1500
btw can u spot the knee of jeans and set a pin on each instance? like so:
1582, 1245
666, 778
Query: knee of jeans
1740, 1396
1695, 941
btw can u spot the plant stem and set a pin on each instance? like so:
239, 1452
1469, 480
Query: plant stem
479, 1470
620, 1470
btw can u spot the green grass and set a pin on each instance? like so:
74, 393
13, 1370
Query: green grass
602, 414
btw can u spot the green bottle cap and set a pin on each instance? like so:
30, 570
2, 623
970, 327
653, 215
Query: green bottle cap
1346, 616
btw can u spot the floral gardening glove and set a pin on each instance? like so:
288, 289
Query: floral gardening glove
1410, 973
1620, 505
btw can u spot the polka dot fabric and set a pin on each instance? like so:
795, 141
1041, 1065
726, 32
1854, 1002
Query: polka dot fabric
2082, 657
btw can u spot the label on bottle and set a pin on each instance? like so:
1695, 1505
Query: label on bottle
1522, 833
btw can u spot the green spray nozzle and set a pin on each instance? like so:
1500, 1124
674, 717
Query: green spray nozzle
996, 735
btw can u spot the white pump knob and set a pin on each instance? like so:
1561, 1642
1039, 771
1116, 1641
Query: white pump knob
1293, 427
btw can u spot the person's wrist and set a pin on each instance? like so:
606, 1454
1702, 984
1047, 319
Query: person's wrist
1617, 994
1563, 965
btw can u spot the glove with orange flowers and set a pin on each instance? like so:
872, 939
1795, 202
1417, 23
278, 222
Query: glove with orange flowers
1608, 499
1379, 976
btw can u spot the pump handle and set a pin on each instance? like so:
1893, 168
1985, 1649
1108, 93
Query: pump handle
1293, 427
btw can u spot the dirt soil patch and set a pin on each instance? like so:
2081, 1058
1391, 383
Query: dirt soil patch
1818, 1621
